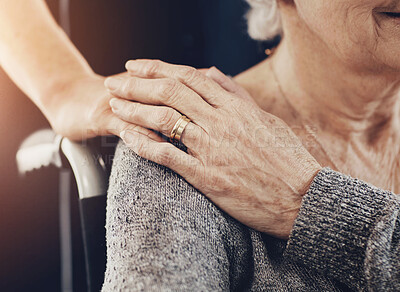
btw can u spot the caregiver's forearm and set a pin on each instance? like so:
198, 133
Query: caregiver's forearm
36, 53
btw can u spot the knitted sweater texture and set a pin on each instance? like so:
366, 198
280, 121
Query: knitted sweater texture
164, 235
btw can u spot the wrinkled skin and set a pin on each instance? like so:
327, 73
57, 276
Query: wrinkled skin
338, 59
358, 32
238, 154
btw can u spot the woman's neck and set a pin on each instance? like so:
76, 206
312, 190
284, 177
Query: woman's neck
337, 98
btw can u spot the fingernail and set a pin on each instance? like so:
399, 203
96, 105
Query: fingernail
127, 136
116, 104
113, 83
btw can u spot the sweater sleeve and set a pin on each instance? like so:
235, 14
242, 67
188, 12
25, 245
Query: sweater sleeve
349, 230
164, 235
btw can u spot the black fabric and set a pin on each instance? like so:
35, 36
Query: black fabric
93, 216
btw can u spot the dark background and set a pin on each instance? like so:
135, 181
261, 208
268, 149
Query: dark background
201, 33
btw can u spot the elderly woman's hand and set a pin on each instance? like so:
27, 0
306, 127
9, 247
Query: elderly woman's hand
248, 162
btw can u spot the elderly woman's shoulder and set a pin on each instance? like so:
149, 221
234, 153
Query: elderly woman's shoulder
253, 75
260, 83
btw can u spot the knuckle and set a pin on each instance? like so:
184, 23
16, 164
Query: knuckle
220, 184
124, 127
128, 85
164, 156
152, 67
189, 73
166, 119
169, 89
141, 149
131, 111
197, 137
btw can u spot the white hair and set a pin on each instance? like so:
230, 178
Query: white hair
264, 21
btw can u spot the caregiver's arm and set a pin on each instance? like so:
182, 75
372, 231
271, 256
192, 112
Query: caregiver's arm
43, 62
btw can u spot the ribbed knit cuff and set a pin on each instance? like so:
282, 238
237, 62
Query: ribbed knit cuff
331, 232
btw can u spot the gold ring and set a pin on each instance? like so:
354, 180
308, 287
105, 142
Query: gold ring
179, 127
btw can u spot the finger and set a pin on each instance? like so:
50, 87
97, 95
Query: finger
168, 92
159, 118
194, 79
162, 153
203, 70
117, 125
228, 83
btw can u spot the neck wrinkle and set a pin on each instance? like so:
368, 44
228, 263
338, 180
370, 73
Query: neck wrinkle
337, 98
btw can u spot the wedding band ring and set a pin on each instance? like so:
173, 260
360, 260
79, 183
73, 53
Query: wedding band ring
179, 127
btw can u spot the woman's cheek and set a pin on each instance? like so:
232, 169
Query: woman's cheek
346, 27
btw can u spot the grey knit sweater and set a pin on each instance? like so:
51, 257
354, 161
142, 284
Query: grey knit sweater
164, 235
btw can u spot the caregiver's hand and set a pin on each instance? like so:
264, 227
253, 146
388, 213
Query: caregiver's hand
248, 162
81, 110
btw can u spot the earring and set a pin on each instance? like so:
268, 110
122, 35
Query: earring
270, 52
